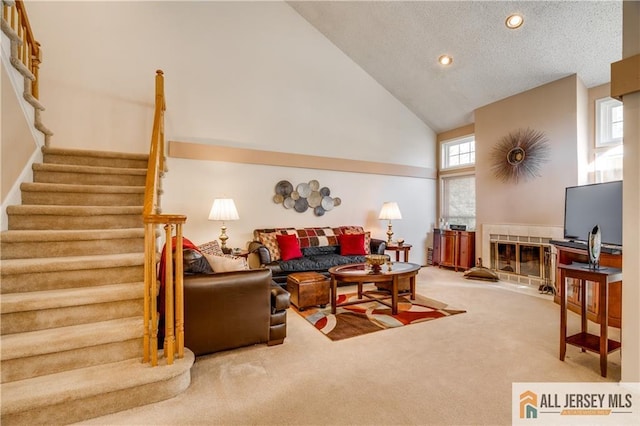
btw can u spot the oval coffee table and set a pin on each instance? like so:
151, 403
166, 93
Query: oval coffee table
359, 274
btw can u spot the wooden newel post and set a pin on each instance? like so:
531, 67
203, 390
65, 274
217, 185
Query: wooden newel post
179, 294
150, 338
169, 338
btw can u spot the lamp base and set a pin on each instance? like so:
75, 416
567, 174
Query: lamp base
389, 234
223, 240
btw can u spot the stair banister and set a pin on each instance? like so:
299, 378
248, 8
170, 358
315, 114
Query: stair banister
174, 301
29, 54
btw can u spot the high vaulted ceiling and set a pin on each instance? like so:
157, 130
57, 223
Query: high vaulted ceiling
398, 44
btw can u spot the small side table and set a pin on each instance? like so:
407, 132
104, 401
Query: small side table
403, 248
585, 340
241, 253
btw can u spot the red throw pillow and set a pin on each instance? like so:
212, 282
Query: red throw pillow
289, 247
351, 244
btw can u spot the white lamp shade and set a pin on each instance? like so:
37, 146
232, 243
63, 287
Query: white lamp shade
223, 209
390, 211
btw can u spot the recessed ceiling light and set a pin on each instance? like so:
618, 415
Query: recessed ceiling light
445, 60
514, 21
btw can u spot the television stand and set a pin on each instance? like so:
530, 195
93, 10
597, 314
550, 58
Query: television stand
579, 245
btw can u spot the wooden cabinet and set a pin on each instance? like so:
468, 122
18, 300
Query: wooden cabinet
448, 246
454, 249
567, 256
466, 249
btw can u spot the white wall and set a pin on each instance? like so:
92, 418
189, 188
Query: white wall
631, 260
552, 109
254, 75
15, 135
19, 140
252, 188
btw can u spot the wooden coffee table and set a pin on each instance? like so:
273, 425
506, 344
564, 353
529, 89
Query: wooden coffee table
359, 274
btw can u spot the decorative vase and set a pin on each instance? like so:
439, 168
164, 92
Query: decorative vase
594, 247
375, 262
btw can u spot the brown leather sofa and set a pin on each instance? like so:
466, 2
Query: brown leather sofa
233, 309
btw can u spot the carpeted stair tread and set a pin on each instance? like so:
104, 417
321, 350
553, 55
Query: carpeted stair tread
70, 235
63, 187
50, 299
33, 343
28, 244
70, 263
94, 158
29, 394
64, 194
39, 216
73, 210
73, 168
87, 174
92, 153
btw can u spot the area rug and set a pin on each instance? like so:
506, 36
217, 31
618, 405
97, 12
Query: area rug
367, 317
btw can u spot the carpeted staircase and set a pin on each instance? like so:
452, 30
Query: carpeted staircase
72, 266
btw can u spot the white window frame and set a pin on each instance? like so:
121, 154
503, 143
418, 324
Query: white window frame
442, 179
607, 147
604, 122
447, 146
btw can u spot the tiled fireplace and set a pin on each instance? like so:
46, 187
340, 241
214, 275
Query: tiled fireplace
520, 253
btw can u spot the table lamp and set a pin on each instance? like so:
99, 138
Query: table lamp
223, 209
390, 211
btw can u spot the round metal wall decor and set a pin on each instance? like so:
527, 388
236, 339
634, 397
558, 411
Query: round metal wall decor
520, 155
314, 199
284, 188
301, 205
305, 196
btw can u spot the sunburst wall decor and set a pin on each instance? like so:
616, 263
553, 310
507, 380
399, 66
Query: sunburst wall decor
520, 155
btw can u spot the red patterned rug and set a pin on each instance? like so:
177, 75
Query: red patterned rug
367, 317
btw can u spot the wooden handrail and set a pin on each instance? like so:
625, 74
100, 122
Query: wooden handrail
29, 52
174, 300
155, 165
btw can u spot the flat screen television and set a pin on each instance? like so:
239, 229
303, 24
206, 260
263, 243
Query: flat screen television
598, 204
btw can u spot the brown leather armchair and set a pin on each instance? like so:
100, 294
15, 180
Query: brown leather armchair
233, 309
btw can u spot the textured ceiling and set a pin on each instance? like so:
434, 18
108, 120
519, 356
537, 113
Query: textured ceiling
398, 44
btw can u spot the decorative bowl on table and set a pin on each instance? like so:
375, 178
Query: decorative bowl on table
375, 261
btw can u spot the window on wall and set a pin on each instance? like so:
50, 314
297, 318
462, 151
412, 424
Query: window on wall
608, 144
608, 164
458, 204
609, 120
458, 153
457, 186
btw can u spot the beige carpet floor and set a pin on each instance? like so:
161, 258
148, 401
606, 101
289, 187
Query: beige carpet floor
453, 371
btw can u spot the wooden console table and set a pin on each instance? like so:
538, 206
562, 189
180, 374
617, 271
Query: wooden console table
601, 344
